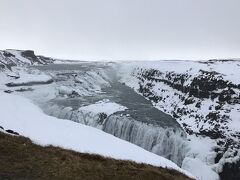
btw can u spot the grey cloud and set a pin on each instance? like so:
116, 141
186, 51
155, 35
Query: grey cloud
122, 29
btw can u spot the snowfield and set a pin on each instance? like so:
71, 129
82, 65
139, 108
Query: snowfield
29, 120
25, 78
30, 77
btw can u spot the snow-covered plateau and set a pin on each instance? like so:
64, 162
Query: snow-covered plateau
185, 111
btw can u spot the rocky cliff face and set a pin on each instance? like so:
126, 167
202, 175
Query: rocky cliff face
15, 69
203, 96
10, 58
205, 86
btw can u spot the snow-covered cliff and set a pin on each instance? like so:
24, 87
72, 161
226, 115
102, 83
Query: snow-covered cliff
204, 97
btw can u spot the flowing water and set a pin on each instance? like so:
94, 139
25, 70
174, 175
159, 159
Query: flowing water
141, 124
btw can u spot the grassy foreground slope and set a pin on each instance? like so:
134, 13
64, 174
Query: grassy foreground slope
22, 159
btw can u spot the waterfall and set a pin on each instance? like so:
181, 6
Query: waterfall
61, 112
167, 142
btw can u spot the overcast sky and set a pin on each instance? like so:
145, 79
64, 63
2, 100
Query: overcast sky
122, 29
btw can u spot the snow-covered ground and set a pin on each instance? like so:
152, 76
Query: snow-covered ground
28, 77
103, 106
29, 120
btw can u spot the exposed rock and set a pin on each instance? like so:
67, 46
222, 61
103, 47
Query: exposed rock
198, 104
213, 115
226, 95
231, 171
102, 117
219, 155
12, 132
46, 60
30, 83
24, 89
218, 107
73, 94
8, 54
29, 54
189, 100
213, 134
8, 91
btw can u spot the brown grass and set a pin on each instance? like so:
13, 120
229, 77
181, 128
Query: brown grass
21, 159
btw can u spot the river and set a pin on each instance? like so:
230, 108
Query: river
144, 125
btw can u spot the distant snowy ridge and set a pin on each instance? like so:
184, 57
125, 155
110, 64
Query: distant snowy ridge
11, 57
15, 71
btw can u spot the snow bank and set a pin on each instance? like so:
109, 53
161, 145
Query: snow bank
26, 78
103, 106
27, 119
20, 76
199, 169
29, 76
201, 155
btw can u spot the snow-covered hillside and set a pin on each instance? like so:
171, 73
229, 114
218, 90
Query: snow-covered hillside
28, 120
15, 71
12, 57
205, 99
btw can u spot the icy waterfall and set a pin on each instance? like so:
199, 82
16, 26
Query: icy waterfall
167, 142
